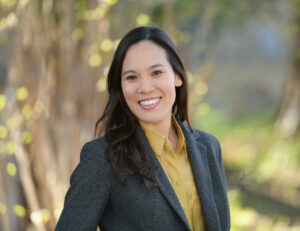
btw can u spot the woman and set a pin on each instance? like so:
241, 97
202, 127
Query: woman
149, 171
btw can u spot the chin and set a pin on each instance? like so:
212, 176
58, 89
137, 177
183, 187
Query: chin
152, 118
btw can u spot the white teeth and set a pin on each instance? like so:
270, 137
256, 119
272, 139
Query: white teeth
149, 102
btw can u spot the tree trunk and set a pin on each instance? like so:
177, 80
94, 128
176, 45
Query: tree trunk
289, 116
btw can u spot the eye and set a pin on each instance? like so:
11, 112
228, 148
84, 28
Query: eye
156, 72
131, 77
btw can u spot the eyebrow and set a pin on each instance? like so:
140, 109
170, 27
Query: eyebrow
152, 66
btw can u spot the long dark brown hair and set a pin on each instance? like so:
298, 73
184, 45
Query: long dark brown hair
120, 125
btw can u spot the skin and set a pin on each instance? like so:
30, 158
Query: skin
148, 75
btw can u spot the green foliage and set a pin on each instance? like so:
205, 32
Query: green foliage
259, 161
158, 13
81, 8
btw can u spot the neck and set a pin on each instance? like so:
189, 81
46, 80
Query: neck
166, 129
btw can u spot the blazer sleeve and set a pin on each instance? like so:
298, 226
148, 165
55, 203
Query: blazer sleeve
222, 170
221, 164
89, 191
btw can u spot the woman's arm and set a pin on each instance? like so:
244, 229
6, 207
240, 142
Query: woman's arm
89, 190
221, 164
222, 169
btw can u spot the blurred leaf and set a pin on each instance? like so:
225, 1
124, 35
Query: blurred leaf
27, 111
80, 5
8, 3
11, 19
2, 101
116, 43
3, 209
26, 137
110, 2
143, 19
182, 37
95, 60
3, 132
245, 217
21, 93
19, 210
39, 217
77, 34
203, 109
12, 147
3, 23
11, 168
11, 123
57, 213
39, 106
201, 88
95, 14
23, 2
106, 45
101, 85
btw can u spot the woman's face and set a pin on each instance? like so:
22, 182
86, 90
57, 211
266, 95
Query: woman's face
148, 83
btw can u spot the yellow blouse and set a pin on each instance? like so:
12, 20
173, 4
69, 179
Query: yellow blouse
178, 169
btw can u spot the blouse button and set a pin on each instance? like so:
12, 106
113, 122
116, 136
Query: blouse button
178, 183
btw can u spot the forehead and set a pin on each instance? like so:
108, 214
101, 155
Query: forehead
144, 54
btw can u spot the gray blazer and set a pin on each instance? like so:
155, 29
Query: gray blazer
95, 198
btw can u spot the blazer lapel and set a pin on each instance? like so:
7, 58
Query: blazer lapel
165, 185
199, 161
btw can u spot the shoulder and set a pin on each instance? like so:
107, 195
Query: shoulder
94, 149
199, 136
100, 141
205, 138
210, 142
92, 166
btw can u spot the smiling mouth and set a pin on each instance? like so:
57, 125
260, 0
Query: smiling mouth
147, 104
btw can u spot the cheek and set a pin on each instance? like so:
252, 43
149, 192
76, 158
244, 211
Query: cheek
168, 86
128, 92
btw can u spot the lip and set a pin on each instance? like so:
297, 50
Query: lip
152, 106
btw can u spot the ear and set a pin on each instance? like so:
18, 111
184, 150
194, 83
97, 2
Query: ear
178, 81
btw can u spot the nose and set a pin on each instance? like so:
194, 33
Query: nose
145, 86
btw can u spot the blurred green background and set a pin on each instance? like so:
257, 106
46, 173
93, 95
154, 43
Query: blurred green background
243, 62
